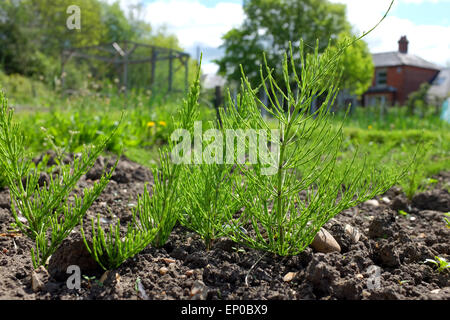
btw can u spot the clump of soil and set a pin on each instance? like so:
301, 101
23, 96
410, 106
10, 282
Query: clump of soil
386, 260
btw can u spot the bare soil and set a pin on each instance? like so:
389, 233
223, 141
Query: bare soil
396, 245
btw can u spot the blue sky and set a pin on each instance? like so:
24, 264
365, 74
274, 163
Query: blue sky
202, 23
428, 13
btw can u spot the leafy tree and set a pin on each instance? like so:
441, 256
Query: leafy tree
117, 26
53, 24
271, 24
357, 66
18, 43
33, 33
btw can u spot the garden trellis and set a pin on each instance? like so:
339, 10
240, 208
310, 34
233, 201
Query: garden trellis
129, 65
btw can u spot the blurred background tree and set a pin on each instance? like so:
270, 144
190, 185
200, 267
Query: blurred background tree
33, 34
270, 25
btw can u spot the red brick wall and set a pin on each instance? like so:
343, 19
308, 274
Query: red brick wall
413, 78
406, 79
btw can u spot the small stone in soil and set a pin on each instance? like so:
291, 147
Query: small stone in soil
104, 276
435, 291
352, 232
163, 271
289, 276
189, 273
38, 278
386, 200
168, 261
199, 291
372, 202
324, 242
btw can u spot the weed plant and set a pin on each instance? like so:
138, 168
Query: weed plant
110, 249
44, 213
283, 212
166, 201
447, 221
440, 263
156, 213
208, 204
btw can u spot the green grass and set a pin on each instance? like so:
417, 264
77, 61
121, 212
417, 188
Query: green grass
141, 141
393, 118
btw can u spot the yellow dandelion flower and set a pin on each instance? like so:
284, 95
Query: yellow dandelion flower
150, 124
162, 123
369, 127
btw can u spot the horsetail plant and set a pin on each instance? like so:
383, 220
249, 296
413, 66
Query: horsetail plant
162, 208
157, 210
111, 250
45, 213
208, 204
285, 207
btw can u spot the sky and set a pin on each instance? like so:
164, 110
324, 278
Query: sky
202, 23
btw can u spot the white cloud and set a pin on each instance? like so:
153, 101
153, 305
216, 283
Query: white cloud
209, 68
430, 42
193, 22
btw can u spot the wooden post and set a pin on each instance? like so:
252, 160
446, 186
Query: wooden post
153, 65
218, 101
125, 68
186, 73
170, 70
63, 63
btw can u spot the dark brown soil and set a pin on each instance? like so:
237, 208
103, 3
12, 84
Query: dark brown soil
396, 245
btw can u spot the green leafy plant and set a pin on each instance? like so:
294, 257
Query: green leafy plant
441, 263
44, 213
208, 204
155, 214
447, 221
164, 206
3, 182
110, 249
284, 211
403, 213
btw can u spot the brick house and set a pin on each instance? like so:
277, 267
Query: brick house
397, 74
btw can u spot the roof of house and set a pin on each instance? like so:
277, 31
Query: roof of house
395, 58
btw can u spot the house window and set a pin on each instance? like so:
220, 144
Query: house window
381, 77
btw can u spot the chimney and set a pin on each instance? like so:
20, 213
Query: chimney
403, 45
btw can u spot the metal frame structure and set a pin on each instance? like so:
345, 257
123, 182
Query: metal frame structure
121, 57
